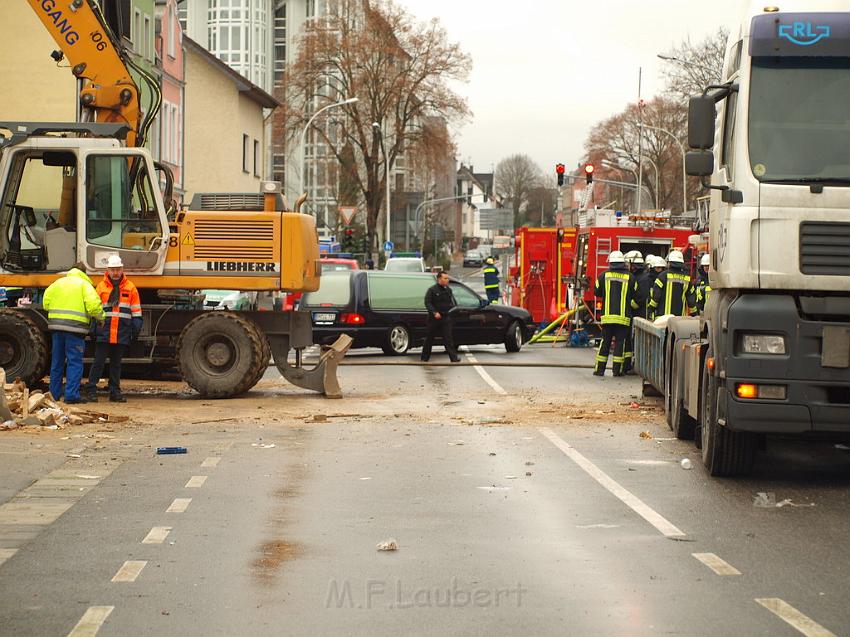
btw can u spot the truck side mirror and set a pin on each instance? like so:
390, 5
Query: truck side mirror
699, 163
701, 115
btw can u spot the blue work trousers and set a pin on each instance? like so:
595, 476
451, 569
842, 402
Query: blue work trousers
67, 348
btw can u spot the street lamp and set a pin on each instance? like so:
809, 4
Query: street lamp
682, 63
657, 181
377, 128
350, 100
684, 173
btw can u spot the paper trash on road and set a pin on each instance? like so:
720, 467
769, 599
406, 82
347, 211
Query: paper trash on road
646, 435
686, 464
388, 545
767, 500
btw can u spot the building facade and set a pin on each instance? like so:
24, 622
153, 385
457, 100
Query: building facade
170, 62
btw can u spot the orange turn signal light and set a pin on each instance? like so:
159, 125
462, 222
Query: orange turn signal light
709, 362
746, 390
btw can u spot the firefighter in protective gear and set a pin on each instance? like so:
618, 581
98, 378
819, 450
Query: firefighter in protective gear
672, 292
634, 260
491, 280
616, 289
123, 310
703, 287
71, 304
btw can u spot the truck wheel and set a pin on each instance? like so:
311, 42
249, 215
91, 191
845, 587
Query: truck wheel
682, 424
397, 342
23, 347
513, 337
724, 452
221, 354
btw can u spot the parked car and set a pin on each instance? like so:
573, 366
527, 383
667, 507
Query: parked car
291, 300
405, 264
387, 310
229, 300
473, 259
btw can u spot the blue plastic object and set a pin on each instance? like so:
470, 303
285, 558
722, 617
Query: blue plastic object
170, 450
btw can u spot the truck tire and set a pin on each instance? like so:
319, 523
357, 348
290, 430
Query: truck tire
725, 453
23, 347
221, 354
265, 354
682, 424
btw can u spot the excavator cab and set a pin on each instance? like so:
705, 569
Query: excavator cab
69, 199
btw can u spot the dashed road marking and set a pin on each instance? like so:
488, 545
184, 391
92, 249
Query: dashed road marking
716, 564
790, 615
196, 482
210, 462
129, 571
5, 554
483, 373
617, 490
157, 535
91, 621
179, 505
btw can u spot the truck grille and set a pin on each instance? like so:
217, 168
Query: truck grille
232, 231
825, 248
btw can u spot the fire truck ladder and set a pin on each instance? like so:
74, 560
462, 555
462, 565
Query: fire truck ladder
586, 197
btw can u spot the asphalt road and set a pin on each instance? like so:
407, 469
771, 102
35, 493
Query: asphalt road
519, 504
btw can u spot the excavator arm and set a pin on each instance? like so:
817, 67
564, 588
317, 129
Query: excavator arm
95, 53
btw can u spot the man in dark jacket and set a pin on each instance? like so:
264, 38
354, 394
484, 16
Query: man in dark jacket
672, 292
439, 301
491, 280
616, 289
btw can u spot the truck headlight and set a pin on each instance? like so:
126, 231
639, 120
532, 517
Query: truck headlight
763, 344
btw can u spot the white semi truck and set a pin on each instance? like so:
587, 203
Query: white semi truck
771, 354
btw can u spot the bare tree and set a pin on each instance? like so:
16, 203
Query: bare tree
542, 202
399, 69
690, 67
516, 176
615, 140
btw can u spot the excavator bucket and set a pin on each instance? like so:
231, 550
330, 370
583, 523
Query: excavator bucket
321, 378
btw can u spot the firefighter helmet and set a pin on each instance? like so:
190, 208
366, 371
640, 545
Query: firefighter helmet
675, 257
616, 257
706, 260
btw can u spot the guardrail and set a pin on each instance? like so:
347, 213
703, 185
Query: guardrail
649, 352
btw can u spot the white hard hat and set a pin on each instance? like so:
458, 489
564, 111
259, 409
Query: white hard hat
675, 257
616, 257
706, 259
114, 261
658, 262
638, 258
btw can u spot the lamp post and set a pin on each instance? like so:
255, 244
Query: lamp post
350, 100
657, 181
684, 173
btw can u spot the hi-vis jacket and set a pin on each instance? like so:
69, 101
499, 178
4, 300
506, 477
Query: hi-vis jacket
124, 319
71, 303
617, 289
491, 277
702, 292
672, 294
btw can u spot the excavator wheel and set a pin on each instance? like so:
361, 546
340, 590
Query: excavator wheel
23, 347
265, 355
221, 354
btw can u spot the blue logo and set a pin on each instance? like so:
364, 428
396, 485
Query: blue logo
804, 33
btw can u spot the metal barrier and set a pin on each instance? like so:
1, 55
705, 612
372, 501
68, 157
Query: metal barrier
649, 343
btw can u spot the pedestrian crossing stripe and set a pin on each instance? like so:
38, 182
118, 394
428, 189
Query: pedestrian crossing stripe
188, 240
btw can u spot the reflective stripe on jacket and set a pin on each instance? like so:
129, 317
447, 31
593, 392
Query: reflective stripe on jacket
617, 288
672, 294
491, 277
71, 303
124, 319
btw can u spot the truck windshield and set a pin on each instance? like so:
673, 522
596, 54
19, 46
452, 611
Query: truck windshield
799, 121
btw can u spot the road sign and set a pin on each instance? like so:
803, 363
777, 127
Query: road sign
388, 246
347, 213
496, 218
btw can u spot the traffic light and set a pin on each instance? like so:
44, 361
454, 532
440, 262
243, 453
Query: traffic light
560, 168
348, 240
588, 172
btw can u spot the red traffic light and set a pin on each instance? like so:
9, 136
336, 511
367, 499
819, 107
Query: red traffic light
349, 232
588, 169
560, 169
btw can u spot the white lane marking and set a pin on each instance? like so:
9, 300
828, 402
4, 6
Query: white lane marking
157, 535
599, 526
716, 564
648, 463
790, 615
91, 621
210, 462
179, 505
487, 378
196, 482
5, 554
129, 571
621, 493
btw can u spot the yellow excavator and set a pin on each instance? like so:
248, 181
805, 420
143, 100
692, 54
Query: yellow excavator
79, 192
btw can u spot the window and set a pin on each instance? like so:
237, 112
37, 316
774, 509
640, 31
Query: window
147, 48
311, 8
113, 212
727, 152
136, 34
464, 296
245, 153
398, 292
172, 33
256, 158
334, 291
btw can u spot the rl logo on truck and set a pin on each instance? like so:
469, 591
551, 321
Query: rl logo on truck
804, 33
238, 266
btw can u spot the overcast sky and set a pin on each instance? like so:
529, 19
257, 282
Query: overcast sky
544, 71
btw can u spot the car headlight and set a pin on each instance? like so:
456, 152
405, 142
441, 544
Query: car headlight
763, 344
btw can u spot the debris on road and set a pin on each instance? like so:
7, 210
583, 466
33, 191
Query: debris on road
646, 435
171, 450
767, 500
261, 445
456, 443
686, 463
388, 545
634, 405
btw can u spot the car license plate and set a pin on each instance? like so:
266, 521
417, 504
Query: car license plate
324, 317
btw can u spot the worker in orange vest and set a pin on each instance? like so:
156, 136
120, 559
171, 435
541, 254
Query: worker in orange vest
123, 309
